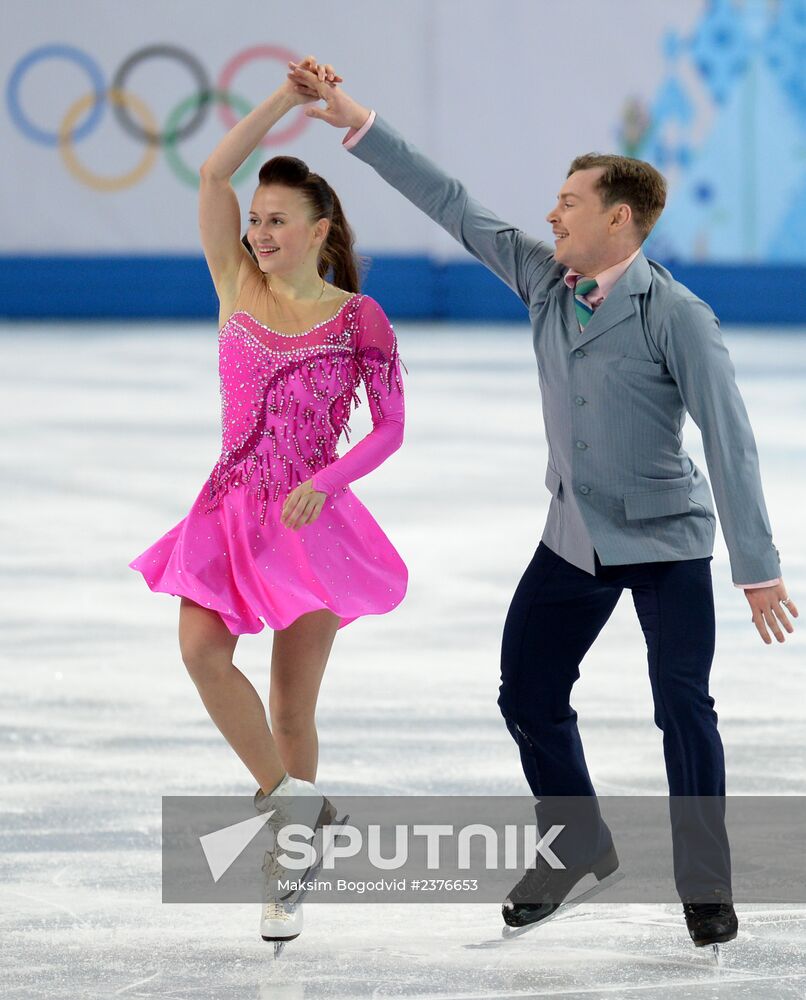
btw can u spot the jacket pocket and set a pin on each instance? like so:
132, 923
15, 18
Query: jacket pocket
640, 365
553, 481
670, 497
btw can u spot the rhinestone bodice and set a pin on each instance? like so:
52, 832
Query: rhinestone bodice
286, 400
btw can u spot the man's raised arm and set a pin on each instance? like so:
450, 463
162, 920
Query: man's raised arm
518, 259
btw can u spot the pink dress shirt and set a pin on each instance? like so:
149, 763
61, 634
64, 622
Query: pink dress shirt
605, 281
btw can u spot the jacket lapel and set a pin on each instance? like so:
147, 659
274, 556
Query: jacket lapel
618, 305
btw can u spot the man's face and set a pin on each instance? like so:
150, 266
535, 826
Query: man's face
580, 221
280, 231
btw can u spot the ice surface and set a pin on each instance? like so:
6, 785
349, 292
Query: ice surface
110, 431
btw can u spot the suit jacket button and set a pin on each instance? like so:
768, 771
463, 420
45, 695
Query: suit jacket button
579, 353
585, 490
579, 400
581, 445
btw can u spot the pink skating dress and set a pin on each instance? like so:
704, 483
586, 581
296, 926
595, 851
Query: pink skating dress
285, 401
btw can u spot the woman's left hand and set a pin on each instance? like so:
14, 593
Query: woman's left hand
302, 506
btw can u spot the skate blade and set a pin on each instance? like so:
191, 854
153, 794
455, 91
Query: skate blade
279, 943
581, 892
716, 957
714, 950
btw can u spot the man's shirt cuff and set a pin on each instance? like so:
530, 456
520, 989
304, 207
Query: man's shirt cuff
356, 135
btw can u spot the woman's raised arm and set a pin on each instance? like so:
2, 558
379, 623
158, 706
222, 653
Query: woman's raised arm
219, 211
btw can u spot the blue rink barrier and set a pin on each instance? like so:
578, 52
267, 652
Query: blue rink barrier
408, 287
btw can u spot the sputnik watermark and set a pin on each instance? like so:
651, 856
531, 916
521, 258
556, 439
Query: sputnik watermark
470, 847
300, 851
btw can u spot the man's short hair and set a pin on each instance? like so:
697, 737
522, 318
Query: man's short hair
625, 179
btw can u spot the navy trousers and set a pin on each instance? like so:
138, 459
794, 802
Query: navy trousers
556, 614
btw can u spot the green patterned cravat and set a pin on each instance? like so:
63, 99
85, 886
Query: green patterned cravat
583, 309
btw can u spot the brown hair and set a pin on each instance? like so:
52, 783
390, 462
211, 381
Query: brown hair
337, 251
625, 179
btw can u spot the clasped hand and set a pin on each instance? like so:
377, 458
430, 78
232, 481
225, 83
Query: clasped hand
311, 81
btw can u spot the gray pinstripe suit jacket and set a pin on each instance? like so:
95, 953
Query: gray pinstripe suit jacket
614, 396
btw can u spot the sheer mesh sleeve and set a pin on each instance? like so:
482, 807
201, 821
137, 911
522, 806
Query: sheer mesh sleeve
378, 362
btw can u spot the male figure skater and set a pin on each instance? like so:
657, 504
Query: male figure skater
623, 352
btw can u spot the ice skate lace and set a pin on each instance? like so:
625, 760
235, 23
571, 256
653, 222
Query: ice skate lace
275, 911
272, 868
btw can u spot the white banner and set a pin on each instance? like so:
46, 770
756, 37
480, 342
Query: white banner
503, 95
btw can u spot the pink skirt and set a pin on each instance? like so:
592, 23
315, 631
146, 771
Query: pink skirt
254, 574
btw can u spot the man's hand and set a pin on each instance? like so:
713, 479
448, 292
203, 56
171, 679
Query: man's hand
770, 605
313, 80
302, 506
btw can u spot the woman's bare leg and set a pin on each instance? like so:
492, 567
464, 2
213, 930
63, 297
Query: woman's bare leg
235, 707
299, 656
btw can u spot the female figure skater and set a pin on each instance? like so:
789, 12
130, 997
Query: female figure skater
276, 535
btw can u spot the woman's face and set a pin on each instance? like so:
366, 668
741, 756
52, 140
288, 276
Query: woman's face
280, 231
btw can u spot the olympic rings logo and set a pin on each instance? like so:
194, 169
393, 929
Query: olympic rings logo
136, 118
